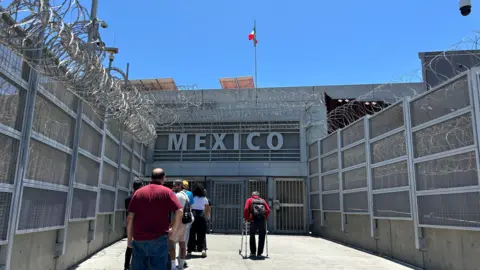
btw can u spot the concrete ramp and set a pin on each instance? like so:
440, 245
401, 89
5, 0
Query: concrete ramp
286, 253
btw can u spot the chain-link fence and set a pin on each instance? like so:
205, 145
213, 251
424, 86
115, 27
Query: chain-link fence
416, 160
60, 163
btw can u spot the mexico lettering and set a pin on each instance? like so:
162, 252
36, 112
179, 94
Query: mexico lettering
177, 142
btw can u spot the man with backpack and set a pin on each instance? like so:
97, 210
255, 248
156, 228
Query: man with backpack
180, 235
256, 212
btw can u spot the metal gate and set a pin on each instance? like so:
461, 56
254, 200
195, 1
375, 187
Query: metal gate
228, 199
289, 205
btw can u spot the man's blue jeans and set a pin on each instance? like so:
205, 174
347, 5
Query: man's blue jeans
150, 255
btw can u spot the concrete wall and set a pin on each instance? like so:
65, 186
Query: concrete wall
445, 249
35, 251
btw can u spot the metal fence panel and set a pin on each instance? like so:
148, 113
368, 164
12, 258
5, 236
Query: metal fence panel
8, 158
83, 204
112, 149
124, 178
52, 122
107, 201
42, 208
109, 174
87, 171
392, 205
5, 203
12, 103
47, 164
121, 196
90, 139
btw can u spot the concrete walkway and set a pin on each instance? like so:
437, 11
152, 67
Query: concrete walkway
286, 253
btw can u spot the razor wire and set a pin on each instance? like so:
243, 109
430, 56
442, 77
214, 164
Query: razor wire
67, 57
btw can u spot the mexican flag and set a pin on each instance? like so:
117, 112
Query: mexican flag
253, 36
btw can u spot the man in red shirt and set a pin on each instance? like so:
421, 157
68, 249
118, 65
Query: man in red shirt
256, 212
148, 223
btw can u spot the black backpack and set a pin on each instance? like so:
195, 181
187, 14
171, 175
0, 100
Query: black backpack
187, 212
258, 208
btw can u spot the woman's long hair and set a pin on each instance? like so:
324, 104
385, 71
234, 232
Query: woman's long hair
198, 190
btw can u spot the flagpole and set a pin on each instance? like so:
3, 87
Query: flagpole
255, 59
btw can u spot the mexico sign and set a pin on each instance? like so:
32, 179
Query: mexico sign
177, 142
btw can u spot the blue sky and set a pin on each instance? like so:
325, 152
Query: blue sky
305, 42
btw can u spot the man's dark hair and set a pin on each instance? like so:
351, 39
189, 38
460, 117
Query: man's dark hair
137, 184
157, 175
198, 190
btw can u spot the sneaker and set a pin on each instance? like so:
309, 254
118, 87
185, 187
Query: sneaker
204, 254
252, 254
185, 265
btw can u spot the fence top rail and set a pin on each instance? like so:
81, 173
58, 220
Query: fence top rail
329, 135
440, 86
386, 109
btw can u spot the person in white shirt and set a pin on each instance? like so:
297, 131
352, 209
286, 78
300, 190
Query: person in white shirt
201, 212
180, 235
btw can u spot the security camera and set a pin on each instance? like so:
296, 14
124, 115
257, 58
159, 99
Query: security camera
100, 43
103, 24
465, 7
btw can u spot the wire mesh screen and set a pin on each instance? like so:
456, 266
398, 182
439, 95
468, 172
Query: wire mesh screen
111, 149
314, 184
142, 168
448, 135
92, 116
449, 172
329, 143
8, 158
445, 100
115, 128
313, 150
121, 196
87, 171
126, 157
290, 219
47, 164
5, 203
52, 122
331, 202
59, 91
124, 179
90, 139
42, 208
315, 201
355, 202
353, 156
391, 147
136, 164
313, 166
330, 182
144, 152
12, 103
390, 176
9, 61
353, 133
330, 163
356, 178
137, 147
396, 204
458, 209
387, 120
109, 174
107, 201
83, 204
127, 139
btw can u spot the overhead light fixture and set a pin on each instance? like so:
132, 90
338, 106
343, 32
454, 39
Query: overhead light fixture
340, 100
346, 100
367, 103
374, 103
